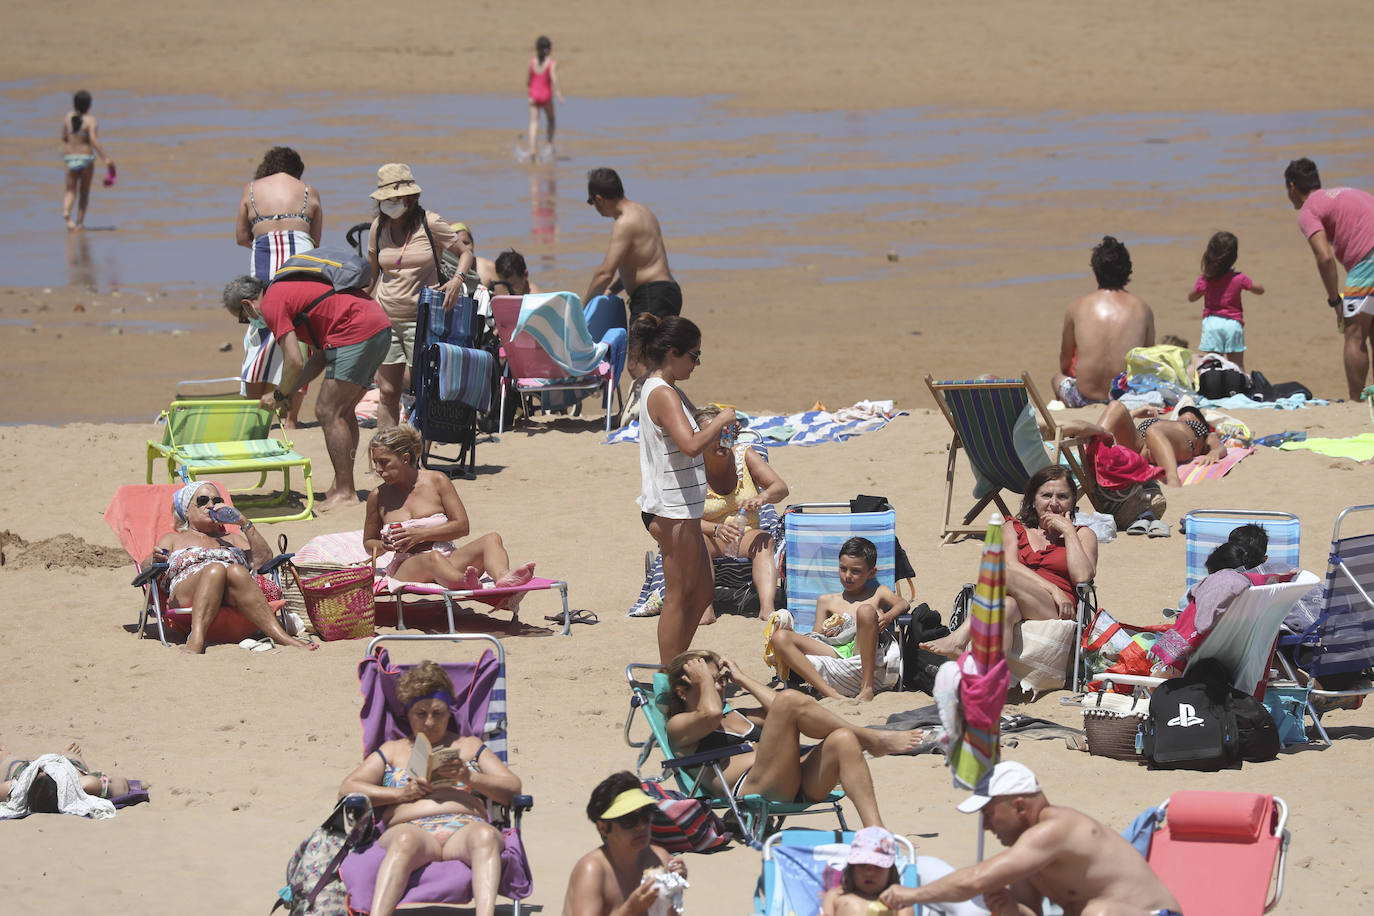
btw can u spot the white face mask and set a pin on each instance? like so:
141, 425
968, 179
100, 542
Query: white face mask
393, 208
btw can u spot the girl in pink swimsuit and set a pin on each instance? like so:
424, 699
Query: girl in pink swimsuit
542, 81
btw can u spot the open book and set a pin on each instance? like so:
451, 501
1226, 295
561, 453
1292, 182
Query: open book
426, 760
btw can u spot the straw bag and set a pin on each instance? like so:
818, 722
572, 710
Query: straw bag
1112, 722
340, 603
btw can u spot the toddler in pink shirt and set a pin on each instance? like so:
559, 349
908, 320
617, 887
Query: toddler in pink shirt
1220, 286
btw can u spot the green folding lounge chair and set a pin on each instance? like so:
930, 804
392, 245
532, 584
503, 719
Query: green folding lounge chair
220, 437
999, 424
757, 816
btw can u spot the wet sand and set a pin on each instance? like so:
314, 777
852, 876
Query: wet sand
784, 259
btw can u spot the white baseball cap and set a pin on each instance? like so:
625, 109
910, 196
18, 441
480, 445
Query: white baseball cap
1007, 778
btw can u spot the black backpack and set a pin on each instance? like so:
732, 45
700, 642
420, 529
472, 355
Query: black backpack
920, 665
1192, 723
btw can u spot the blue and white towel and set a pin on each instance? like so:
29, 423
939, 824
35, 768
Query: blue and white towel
810, 427
556, 321
464, 375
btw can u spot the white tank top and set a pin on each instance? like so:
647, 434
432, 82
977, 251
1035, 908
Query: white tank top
673, 485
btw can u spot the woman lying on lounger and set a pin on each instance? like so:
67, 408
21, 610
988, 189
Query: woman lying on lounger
777, 766
1046, 556
209, 566
418, 514
427, 823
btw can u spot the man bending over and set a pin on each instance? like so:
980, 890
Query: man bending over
1055, 854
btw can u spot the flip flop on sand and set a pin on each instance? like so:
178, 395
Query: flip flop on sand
1139, 526
1159, 529
583, 616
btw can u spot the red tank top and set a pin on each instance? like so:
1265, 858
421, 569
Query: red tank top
1050, 564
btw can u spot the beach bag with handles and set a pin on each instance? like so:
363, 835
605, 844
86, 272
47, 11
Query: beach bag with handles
340, 603
313, 886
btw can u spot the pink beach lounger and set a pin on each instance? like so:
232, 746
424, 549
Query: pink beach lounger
1236, 837
497, 598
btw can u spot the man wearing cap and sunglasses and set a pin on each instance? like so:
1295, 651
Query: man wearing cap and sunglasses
610, 880
1055, 854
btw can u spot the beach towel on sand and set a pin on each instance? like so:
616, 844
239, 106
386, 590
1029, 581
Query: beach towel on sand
810, 427
1360, 448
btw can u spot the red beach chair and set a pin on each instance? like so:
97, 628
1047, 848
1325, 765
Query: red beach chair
140, 515
1217, 851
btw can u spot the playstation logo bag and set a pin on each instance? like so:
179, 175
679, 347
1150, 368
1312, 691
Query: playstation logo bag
1192, 725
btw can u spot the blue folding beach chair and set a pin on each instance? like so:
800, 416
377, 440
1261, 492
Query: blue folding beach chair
795, 863
755, 815
1207, 529
1341, 642
454, 378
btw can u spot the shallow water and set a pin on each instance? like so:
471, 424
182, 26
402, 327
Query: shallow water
708, 172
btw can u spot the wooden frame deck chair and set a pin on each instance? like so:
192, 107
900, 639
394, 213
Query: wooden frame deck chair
813, 534
479, 708
756, 816
1341, 642
203, 437
548, 348
1244, 638
1221, 852
997, 424
140, 515
1205, 530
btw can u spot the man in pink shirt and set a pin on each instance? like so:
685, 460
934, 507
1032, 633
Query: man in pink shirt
1339, 225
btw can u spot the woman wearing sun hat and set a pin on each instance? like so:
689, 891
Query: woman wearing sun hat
407, 242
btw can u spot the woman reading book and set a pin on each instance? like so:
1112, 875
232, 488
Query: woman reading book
432, 803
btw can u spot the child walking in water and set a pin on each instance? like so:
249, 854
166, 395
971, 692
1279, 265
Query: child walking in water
79, 149
1223, 323
543, 85
870, 870
418, 514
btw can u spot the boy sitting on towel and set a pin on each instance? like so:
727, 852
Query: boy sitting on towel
852, 652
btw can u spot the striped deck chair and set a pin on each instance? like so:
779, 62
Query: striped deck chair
997, 424
757, 816
453, 378
1207, 529
478, 708
222, 437
814, 533
548, 349
1341, 642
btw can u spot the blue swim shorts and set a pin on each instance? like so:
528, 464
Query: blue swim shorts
1222, 335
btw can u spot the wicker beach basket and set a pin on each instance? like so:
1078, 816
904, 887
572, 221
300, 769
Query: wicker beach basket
1112, 722
339, 602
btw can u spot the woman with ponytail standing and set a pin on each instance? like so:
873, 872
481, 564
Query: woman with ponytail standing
79, 149
673, 474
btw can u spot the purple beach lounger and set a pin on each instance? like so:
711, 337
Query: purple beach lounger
479, 708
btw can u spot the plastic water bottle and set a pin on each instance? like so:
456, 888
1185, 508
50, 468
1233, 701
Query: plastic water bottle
741, 519
225, 515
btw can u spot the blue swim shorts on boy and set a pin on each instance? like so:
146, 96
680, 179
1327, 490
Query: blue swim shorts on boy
1222, 335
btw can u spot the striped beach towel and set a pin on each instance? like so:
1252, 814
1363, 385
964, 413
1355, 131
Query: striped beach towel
1195, 472
464, 375
810, 427
556, 321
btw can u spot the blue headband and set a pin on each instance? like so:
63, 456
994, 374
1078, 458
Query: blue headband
181, 500
436, 695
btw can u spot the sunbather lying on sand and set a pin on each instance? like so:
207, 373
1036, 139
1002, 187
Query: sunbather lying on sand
209, 566
1168, 443
418, 514
42, 797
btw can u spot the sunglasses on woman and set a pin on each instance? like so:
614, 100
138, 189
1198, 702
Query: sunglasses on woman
635, 818
202, 501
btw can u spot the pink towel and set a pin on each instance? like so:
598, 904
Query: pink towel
1193, 472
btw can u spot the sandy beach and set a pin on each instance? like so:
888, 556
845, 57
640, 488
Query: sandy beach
819, 142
